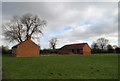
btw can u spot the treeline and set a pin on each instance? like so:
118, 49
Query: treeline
102, 45
5, 50
49, 51
116, 50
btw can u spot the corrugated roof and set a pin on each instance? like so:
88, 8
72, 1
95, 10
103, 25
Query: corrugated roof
74, 46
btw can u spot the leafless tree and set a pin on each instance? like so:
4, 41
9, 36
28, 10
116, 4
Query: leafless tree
53, 42
102, 42
94, 45
20, 27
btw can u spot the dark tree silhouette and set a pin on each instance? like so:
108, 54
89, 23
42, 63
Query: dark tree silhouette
20, 27
53, 43
117, 50
109, 47
95, 48
94, 45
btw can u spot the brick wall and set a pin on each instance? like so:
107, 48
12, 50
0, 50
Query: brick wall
86, 50
76, 50
65, 51
28, 48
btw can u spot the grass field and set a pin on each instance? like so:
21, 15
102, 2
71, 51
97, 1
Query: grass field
98, 66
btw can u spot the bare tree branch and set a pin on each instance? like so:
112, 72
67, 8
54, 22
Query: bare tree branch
21, 27
102, 42
53, 43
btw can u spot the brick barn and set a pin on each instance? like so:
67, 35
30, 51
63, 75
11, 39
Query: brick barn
81, 48
26, 48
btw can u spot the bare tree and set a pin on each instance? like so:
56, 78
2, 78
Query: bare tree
102, 42
53, 43
94, 45
20, 27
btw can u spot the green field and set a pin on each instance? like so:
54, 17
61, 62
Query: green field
97, 66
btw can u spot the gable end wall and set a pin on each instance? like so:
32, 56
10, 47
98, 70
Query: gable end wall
86, 50
27, 48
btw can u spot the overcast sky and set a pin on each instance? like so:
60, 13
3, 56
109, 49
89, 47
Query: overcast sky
70, 22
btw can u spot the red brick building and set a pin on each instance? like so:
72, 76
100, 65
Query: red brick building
81, 48
26, 48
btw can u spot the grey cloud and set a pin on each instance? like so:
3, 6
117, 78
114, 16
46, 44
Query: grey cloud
62, 14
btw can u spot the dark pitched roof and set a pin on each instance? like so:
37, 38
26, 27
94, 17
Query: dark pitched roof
74, 46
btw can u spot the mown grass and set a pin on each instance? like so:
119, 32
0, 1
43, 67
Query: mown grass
0, 66
98, 66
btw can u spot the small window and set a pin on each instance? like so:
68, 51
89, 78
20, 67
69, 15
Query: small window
78, 50
73, 50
